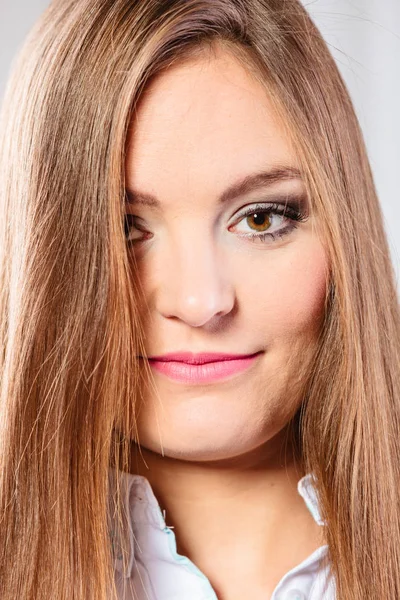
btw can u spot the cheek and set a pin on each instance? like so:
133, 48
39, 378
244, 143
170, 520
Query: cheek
293, 294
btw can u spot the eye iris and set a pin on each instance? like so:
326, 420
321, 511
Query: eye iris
259, 219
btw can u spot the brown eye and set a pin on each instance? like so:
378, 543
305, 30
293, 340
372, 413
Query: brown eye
261, 220
130, 223
281, 219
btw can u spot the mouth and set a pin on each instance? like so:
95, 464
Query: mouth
208, 371
199, 359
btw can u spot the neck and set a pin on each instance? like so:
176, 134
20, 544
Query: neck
240, 514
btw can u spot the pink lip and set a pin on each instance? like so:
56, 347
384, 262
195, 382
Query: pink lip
198, 359
205, 372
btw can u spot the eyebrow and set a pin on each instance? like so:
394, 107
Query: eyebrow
245, 185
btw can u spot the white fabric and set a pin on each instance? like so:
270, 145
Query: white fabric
155, 571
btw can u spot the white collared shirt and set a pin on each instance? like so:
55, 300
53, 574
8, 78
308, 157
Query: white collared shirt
155, 571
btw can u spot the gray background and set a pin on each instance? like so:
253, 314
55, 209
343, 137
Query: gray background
364, 37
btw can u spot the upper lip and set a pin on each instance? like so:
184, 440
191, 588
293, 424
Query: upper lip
199, 359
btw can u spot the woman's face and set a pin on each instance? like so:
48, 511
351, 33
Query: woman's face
208, 287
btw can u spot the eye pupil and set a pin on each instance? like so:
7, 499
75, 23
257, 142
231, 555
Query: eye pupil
259, 216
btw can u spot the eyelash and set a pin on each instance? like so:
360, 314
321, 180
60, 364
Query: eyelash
292, 212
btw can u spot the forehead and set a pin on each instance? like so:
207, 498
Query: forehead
208, 120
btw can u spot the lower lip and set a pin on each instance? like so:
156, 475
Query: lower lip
206, 373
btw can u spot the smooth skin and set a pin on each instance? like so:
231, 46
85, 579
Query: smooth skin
215, 454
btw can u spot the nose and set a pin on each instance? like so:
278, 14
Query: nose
195, 285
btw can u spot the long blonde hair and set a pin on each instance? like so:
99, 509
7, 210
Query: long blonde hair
69, 323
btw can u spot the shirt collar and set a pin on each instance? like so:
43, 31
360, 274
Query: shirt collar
141, 511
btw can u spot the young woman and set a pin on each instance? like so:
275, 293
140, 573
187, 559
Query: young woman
199, 319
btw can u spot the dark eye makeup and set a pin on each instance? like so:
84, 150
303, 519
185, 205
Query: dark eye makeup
292, 210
